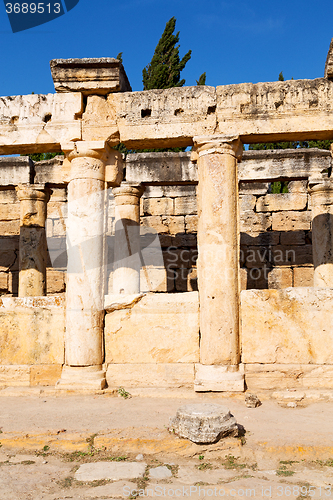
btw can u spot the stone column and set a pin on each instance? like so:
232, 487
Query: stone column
321, 192
84, 354
127, 262
218, 264
33, 247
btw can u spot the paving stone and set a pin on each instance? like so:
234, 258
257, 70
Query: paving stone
114, 471
161, 472
192, 475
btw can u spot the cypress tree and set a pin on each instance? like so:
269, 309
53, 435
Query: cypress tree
163, 72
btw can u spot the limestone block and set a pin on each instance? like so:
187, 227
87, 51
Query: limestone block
9, 252
219, 378
9, 228
288, 376
280, 277
53, 171
171, 116
276, 164
255, 278
243, 278
185, 240
292, 255
171, 375
13, 280
270, 238
282, 201
160, 328
57, 194
287, 326
3, 281
329, 63
57, 210
8, 195
191, 223
45, 374
32, 330
14, 375
298, 186
13, 171
303, 276
55, 281
247, 202
158, 206
161, 167
186, 206
253, 222
39, 123
291, 221
155, 191
292, 238
161, 472
165, 224
203, 423
255, 188
89, 75
153, 279
99, 120
276, 111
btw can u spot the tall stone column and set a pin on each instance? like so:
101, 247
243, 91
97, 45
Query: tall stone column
85, 231
321, 192
218, 264
127, 262
33, 247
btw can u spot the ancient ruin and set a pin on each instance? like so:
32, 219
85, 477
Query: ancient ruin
168, 269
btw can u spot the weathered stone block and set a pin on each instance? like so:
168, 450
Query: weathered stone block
14, 375
287, 326
55, 281
291, 221
292, 238
283, 201
280, 277
39, 123
254, 188
161, 167
220, 378
165, 117
253, 222
270, 238
186, 206
53, 171
89, 75
13, 171
9, 228
191, 223
99, 120
32, 330
158, 206
172, 375
203, 423
45, 374
8, 195
279, 111
3, 281
165, 224
159, 328
112, 471
303, 276
247, 202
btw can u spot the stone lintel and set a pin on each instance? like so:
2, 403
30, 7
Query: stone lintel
219, 378
16, 170
89, 75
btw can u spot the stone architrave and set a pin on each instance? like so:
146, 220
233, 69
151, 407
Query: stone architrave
218, 263
33, 248
85, 269
321, 192
127, 262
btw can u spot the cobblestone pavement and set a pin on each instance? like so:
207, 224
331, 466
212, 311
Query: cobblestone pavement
99, 475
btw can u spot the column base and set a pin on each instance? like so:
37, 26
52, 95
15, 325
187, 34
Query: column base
82, 378
219, 378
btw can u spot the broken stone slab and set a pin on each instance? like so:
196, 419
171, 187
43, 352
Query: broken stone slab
203, 423
89, 75
329, 63
252, 401
115, 471
161, 472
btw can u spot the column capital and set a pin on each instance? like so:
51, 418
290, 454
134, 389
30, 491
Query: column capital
128, 194
93, 160
222, 144
322, 190
32, 192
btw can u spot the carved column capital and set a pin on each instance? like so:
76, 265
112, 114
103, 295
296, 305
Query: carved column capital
128, 194
222, 144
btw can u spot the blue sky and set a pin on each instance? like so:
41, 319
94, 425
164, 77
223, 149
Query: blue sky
234, 42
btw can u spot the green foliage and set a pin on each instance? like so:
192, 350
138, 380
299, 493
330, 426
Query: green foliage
202, 79
163, 72
120, 57
281, 77
42, 156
